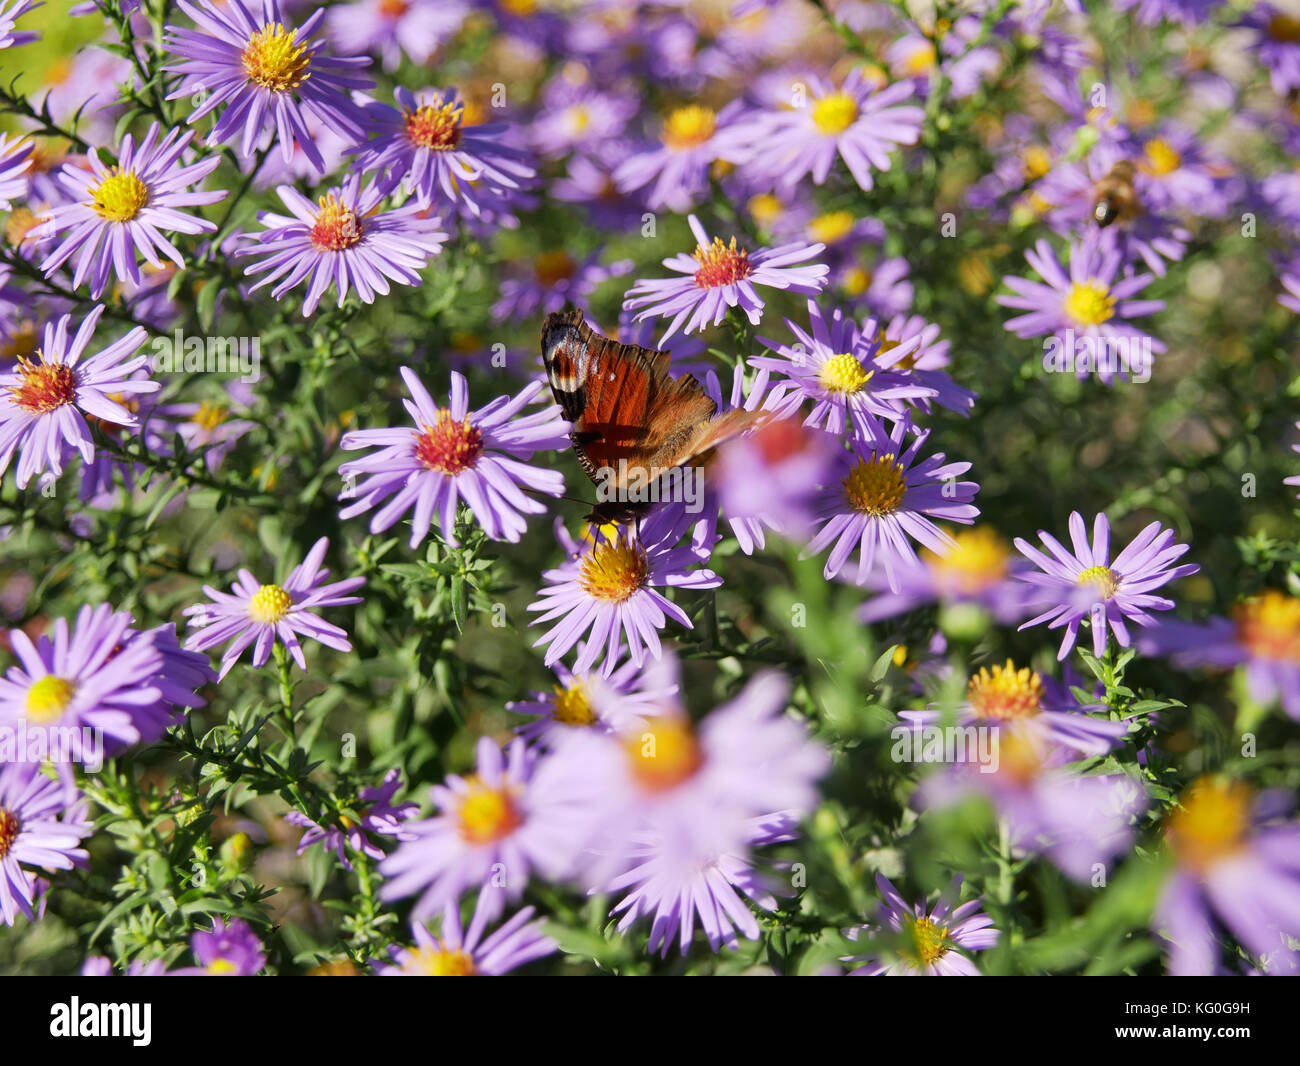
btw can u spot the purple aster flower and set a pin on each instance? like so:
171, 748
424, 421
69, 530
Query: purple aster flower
593, 701
455, 454
978, 568
467, 953
885, 498
1277, 44
267, 73
42, 824
607, 590
589, 183
1236, 866
924, 362
1087, 311
859, 124
15, 159
377, 815
393, 28
692, 139
229, 949
1046, 711
262, 613
10, 13
555, 280
580, 116
345, 241
1086, 584
914, 940
1263, 635
717, 277
203, 427
102, 966
516, 815
116, 213
1290, 279
425, 144
45, 401
1186, 12
845, 371
881, 284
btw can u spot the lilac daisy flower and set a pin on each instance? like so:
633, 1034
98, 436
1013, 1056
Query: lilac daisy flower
116, 213
228, 949
718, 277
1263, 635
924, 362
1289, 276
1087, 310
1086, 584
914, 940
885, 499
42, 824
345, 240
425, 144
102, 966
1186, 12
460, 952
859, 124
377, 815
101, 674
393, 28
15, 160
607, 591
580, 116
455, 454
1047, 711
262, 613
10, 13
1277, 44
516, 815
555, 280
45, 401
1236, 866
845, 371
203, 427
267, 73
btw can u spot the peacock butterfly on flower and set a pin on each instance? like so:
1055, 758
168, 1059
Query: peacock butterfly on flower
633, 425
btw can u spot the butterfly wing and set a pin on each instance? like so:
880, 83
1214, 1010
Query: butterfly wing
698, 445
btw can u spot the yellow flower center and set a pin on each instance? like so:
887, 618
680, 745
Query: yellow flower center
48, 698
835, 113
876, 486
920, 61
926, 942
979, 559
21, 343
8, 831
436, 128
334, 968
486, 814
435, 962
120, 196
209, 416
269, 604
1103, 579
553, 267
844, 374
449, 447
44, 386
613, 571
1269, 625
1005, 692
1089, 303
221, 966
572, 705
1211, 823
721, 264
665, 754
765, 209
1038, 161
688, 127
20, 224
857, 280
1160, 159
521, 8
1284, 28
273, 59
831, 227
337, 227
1020, 753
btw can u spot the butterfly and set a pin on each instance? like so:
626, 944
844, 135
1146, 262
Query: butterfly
632, 423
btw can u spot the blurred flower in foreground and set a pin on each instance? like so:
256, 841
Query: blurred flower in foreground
42, 824
910, 940
460, 952
1086, 584
10, 13
229, 949
717, 277
1236, 865
378, 816
15, 160
456, 454
262, 613
1277, 43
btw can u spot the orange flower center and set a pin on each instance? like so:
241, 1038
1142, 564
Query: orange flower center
1269, 625
721, 264
45, 386
449, 447
1006, 692
8, 831
613, 572
486, 814
435, 128
337, 227
665, 754
1211, 823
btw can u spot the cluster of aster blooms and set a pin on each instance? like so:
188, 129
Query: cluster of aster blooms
614, 787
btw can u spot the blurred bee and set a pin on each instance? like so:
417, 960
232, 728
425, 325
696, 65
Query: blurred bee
1114, 198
